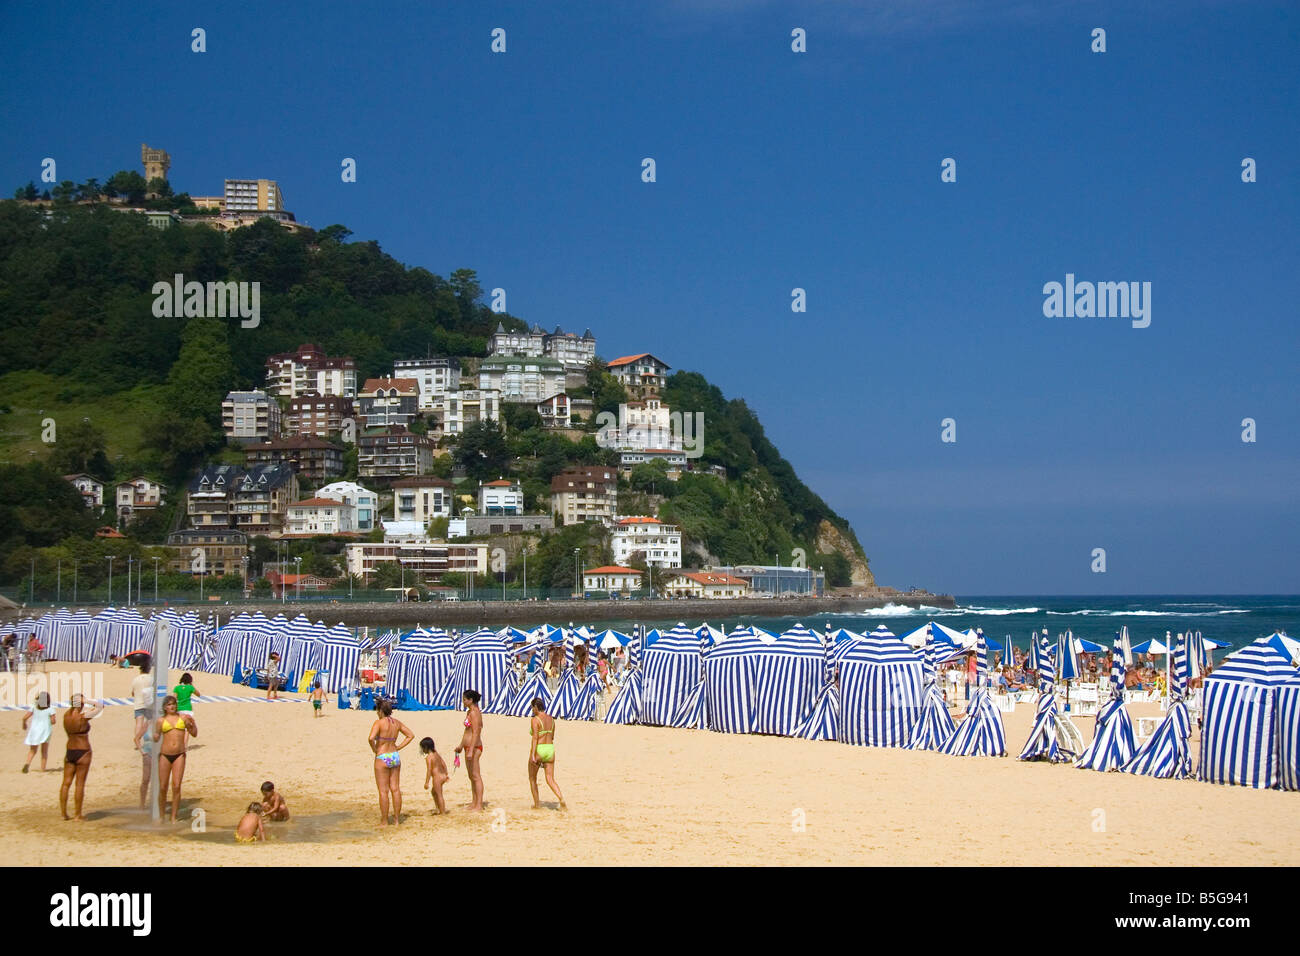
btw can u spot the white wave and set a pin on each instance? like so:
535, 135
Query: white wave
1100, 612
1001, 611
891, 610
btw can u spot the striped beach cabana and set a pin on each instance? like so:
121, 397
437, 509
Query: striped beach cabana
480, 662
1239, 715
730, 682
1046, 740
575, 697
229, 637
692, 714
980, 734
129, 632
936, 726
626, 706
100, 628
298, 656
74, 637
1167, 752
670, 673
521, 702
1113, 744
790, 674
340, 655
880, 683
1288, 727
185, 640
420, 665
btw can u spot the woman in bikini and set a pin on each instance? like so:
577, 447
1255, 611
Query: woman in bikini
388, 763
472, 743
542, 752
171, 733
76, 762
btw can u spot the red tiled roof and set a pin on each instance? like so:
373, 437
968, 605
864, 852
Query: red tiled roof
639, 519
317, 502
629, 359
402, 384
714, 579
611, 569
499, 483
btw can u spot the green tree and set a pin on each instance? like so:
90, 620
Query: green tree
482, 451
80, 447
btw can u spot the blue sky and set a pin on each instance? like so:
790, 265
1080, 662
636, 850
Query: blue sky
821, 171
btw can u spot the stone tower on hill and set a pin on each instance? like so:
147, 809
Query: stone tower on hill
156, 162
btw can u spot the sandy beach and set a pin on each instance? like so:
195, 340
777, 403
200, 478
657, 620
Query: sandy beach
636, 795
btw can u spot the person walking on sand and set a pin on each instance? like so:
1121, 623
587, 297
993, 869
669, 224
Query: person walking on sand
435, 773
171, 732
317, 698
185, 693
76, 762
471, 742
541, 752
39, 724
142, 694
388, 762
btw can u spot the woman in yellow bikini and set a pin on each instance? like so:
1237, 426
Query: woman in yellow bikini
388, 763
171, 734
542, 752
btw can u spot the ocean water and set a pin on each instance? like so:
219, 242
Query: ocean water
1236, 619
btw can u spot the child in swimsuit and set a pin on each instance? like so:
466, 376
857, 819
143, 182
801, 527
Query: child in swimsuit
317, 696
273, 804
250, 825
435, 774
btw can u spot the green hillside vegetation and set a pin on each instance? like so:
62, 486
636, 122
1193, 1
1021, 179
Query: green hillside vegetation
134, 393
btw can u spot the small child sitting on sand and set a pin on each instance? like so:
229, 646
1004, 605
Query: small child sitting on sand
250, 825
435, 774
273, 804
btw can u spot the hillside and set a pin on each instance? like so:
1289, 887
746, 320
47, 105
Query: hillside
84, 347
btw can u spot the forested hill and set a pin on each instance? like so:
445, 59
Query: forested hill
81, 341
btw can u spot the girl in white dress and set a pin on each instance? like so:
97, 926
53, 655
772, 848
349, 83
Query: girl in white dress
38, 723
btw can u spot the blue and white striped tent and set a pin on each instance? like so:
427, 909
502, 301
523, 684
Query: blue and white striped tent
340, 655
1288, 727
936, 726
255, 644
575, 698
229, 637
100, 626
421, 665
278, 637
692, 715
1239, 726
670, 671
129, 632
1168, 753
1113, 744
186, 640
1046, 742
791, 673
730, 680
609, 639
626, 707
74, 637
58, 640
301, 651
521, 703
981, 733
880, 691
481, 662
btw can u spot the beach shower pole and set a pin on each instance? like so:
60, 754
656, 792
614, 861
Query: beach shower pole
58, 586
161, 667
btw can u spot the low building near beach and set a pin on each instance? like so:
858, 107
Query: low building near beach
611, 579
705, 584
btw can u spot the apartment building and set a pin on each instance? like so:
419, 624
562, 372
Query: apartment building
658, 543
422, 499
314, 516
522, 379
436, 377
585, 494
556, 411
382, 402
309, 456
393, 452
501, 497
253, 500
364, 502
309, 369
571, 350
642, 424
250, 417
252, 195
458, 410
321, 415
675, 460
223, 550
530, 342
424, 562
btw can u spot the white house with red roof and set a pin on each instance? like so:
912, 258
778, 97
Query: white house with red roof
658, 543
611, 579
704, 584
642, 375
501, 497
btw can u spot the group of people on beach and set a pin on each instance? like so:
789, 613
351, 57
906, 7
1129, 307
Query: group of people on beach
170, 733
388, 736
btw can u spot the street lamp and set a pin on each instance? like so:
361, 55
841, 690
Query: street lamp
577, 584
74, 582
130, 559
110, 577
297, 579
31, 587
155, 579
58, 586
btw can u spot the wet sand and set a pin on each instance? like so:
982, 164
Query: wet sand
636, 795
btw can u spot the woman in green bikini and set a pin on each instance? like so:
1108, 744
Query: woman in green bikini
388, 763
542, 752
